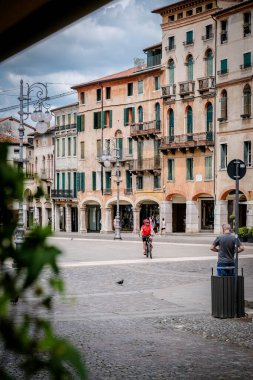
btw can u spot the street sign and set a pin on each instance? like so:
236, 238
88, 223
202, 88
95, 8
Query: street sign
236, 169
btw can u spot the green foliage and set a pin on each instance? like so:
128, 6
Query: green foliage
25, 333
242, 231
250, 231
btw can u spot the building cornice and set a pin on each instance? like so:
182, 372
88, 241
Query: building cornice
234, 81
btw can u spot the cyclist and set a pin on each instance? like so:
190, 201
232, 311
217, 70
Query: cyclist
146, 231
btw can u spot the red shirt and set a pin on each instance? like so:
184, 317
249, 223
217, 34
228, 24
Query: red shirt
146, 230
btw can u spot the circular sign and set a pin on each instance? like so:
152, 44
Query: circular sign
236, 169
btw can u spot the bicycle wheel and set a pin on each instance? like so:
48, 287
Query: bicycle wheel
147, 249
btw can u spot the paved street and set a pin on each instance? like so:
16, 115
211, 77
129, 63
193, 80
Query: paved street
157, 325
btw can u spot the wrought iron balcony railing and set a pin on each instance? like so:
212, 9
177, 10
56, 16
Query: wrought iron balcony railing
62, 193
169, 91
208, 36
146, 164
187, 141
206, 84
65, 127
186, 88
146, 129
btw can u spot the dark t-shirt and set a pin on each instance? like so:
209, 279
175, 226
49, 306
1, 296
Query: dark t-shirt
226, 246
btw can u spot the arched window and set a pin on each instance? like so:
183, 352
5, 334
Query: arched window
171, 71
209, 117
189, 123
223, 106
171, 125
246, 101
157, 116
209, 66
189, 67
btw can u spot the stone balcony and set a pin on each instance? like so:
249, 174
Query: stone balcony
187, 142
148, 165
147, 130
206, 84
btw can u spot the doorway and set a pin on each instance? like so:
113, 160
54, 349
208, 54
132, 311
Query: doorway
207, 214
178, 217
74, 219
94, 218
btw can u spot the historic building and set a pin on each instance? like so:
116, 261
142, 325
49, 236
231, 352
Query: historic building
234, 130
121, 111
66, 177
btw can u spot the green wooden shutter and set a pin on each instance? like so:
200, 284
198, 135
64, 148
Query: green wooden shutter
125, 116
110, 118
209, 118
58, 181
189, 37
82, 123
108, 180
63, 181
120, 146
78, 123
69, 181
75, 184
133, 115
128, 180
94, 181
77, 181
95, 122
247, 59
82, 182
103, 119
224, 66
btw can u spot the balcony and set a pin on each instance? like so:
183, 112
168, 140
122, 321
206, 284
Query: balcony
188, 42
149, 165
222, 72
186, 88
223, 37
62, 194
170, 48
65, 127
169, 91
246, 30
246, 66
147, 130
206, 84
187, 142
208, 36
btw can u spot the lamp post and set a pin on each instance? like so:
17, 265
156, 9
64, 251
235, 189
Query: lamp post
42, 119
107, 159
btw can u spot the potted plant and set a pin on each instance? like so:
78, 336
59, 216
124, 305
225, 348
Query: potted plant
250, 235
232, 220
243, 234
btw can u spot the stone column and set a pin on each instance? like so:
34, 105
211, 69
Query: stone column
44, 215
68, 218
57, 218
53, 217
83, 227
107, 225
192, 217
36, 214
136, 219
220, 215
249, 220
166, 213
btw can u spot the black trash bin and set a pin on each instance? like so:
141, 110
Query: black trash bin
223, 295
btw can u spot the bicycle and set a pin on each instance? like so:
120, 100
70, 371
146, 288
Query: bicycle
148, 247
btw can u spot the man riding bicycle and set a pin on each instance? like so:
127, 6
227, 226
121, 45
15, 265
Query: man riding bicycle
145, 232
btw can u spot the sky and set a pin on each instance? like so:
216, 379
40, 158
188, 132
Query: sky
100, 44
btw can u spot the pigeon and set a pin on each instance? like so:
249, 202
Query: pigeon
120, 282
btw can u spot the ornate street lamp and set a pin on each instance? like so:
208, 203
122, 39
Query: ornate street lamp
39, 90
107, 160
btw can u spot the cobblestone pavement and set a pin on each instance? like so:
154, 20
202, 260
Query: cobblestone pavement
158, 324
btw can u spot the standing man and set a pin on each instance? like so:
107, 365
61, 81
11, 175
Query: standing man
226, 251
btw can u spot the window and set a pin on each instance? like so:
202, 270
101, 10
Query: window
157, 83
171, 125
119, 145
189, 38
180, 15
82, 97
58, 181
74, 146
107, 119
129, 116
140, 116
189, 13
223, 66
75, 117
223, 156
209, 6
130, 145
140, 86
97, 120
69, 119
209, 31
99, 94
209, 168
99, 148
63, 119
171, 72
82, 153
108, 176
171, 18
223, 106
171, 43
130, 89
80, 123
189, 169
224, 32
69, 146
198, 9
189, 123
246, 60
108, 92
247, 153
246, 101
63, 148
94, 181
246, 24
139, 182
157, 116
209, 118
63, 181
209, 64
171, 169
157, 181
58, 121
189, 68
128, 181
69, 181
